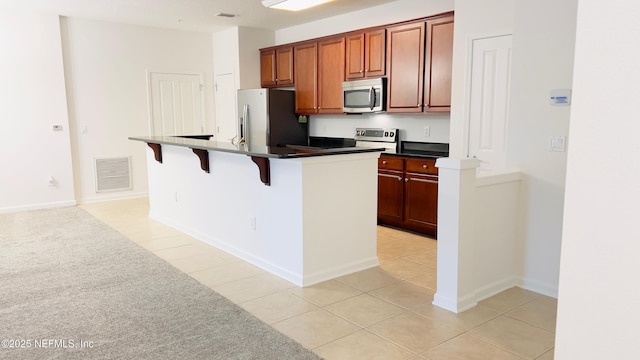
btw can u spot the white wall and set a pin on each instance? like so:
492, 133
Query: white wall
396, 11
249, 59
291, 228
412, 126
542, 60
106, 68
236, 65
32, 100
473, 19
599, 293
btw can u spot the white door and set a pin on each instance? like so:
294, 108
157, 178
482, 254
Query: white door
489, 101
176, 104
226, 117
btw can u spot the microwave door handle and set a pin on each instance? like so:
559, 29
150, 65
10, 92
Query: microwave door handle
372, 98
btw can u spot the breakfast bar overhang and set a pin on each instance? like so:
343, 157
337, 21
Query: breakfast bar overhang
304, 214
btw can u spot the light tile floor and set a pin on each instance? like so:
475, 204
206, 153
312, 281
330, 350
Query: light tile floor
380, 313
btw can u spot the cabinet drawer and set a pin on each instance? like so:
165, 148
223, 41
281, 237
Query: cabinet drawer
422, 166
390, 163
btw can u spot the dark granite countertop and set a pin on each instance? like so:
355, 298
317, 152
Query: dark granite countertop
418, 155
281, 152
423, 149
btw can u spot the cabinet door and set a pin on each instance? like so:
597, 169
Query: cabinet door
284, 65
305, 65
268, 68
390, 197
355, 56
405, 67
439, 55
331, 54
374, 59
421, 202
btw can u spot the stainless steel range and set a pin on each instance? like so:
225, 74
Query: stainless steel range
377, 138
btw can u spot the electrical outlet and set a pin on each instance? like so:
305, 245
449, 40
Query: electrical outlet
252, 222
427, 131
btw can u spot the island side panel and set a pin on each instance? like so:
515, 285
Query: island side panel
230, 208
340, 213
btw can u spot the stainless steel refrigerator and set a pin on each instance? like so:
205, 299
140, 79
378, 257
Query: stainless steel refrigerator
267, 117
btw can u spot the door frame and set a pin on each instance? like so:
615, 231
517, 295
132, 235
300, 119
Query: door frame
470, 39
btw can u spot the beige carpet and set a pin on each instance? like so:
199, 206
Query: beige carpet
71, 287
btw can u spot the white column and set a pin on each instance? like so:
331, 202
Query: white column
456, 222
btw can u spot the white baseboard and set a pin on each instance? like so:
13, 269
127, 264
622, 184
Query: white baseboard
538, 287
328, 274
298, 279
50, 205
497, 287
455, 305
112, 196
471, 300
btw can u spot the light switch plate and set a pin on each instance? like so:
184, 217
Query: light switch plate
557, 143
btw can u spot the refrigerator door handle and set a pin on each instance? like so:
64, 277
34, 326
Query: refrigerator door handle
244, 130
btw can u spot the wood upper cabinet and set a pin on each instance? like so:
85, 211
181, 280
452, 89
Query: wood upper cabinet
439, 56
405, 67
276, 67
319, 73
331, 55
305, 65
415, 57
365, 54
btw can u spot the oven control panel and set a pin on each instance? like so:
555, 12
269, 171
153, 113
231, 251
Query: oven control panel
376, 134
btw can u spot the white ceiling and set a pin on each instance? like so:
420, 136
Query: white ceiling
196, 15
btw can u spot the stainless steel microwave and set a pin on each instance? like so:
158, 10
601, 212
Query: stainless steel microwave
364, 96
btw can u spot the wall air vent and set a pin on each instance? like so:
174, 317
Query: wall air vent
113, 174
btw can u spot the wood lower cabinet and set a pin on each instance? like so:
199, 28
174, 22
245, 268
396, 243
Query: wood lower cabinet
390, 189
276, 67
408, 193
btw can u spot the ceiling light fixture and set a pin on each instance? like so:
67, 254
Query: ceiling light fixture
292, 5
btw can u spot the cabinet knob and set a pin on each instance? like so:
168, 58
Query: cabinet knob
360, 71
406, 179
424, 166
366, 70
399, 178
384, 162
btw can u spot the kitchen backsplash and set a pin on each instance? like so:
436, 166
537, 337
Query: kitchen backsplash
411, 127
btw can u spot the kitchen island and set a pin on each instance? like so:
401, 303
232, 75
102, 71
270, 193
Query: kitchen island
302, 213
